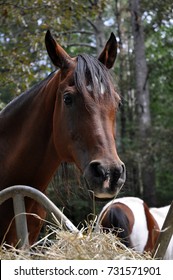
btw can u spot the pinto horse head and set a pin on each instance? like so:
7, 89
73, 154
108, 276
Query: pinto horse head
85, 115
132, 221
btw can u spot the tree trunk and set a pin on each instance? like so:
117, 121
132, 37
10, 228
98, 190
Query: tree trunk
146, 161
99, 28
122, 66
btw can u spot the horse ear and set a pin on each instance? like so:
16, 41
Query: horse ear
56, 53
109, 53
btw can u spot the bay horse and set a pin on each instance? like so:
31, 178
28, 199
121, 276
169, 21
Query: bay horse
134, 223
68, 117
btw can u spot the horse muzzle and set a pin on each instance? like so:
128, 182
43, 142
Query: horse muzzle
105, 180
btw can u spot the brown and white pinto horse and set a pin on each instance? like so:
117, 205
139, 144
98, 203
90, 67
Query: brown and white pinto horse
137, 225
68, 117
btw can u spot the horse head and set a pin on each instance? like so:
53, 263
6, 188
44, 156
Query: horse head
85, 115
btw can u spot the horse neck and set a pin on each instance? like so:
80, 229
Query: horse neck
30, 137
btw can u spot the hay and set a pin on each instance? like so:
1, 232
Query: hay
68, 246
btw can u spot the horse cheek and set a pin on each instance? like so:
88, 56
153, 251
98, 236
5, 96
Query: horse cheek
61, 135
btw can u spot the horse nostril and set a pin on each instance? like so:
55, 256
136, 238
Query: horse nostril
119, 174
97, 169
116, 174
122, 168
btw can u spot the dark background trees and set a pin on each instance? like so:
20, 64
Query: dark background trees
143, 74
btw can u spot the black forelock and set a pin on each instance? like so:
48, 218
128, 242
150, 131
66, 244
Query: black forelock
90, 70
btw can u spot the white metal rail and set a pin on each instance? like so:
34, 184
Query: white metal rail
17, 193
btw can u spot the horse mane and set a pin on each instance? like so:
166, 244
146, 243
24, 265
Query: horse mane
90, 71
118, 223
20, 100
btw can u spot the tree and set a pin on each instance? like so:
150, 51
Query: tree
143, 106
23, 24
157, 18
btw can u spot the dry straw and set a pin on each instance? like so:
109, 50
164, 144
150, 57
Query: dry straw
68, 246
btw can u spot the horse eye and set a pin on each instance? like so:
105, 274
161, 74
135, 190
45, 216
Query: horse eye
68, 99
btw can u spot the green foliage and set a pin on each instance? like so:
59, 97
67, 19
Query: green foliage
23, 24
160, 57
158, 27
